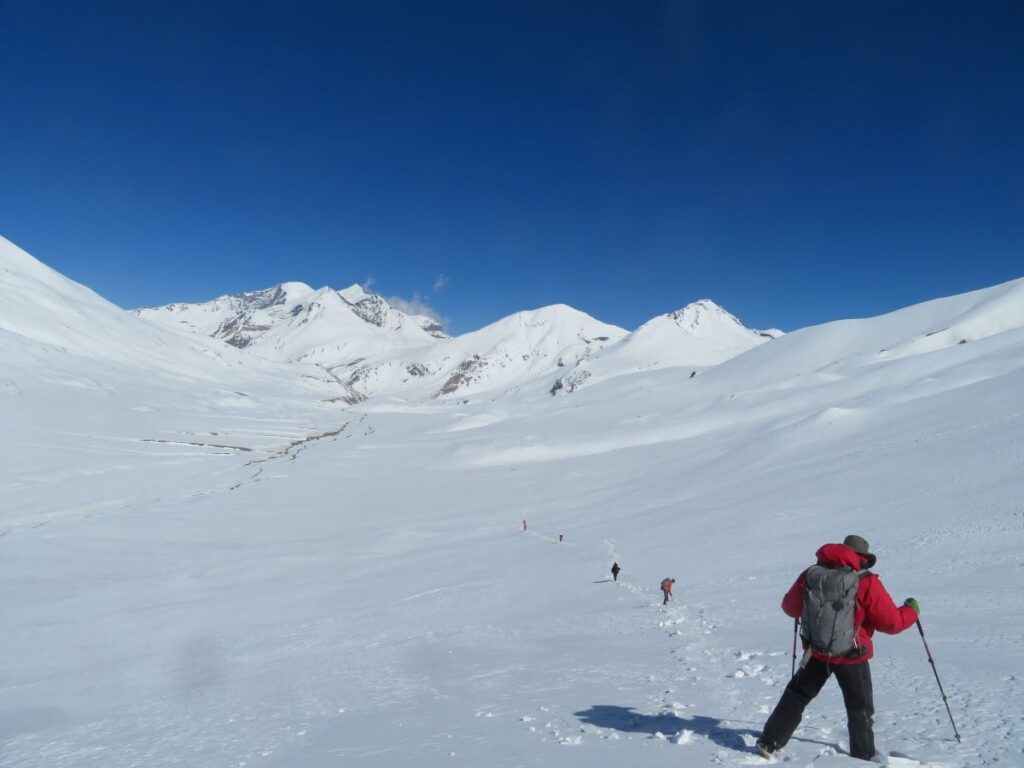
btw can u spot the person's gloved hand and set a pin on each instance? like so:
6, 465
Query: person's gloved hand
913, 604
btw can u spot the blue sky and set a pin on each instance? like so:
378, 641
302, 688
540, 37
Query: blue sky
796, 163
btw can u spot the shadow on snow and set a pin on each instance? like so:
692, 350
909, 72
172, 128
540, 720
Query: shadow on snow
625, 719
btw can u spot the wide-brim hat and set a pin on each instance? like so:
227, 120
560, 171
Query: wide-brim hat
860, 545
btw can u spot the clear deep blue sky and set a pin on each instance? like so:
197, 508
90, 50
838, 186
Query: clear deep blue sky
796, 163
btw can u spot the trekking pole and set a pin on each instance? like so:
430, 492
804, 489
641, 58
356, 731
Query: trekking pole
796, 627
932, 662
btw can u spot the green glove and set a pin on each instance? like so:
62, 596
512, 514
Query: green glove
913, 604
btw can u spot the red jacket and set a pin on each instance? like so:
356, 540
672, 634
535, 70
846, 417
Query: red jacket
874, 609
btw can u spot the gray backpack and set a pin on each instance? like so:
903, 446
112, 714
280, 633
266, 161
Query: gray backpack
826, 623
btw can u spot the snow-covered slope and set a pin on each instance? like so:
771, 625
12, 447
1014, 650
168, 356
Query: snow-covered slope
365, 596
237, 319
292, 322
90, 394
699, 335
43, 313
917, 330
379, 350
376, 311
548, 350
524, 348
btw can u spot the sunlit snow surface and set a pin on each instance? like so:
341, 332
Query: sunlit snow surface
355, 589
375, 349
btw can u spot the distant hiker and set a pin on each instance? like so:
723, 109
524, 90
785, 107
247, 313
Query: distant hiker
666, 588
615, 571
559, 538
840, 604
524, 526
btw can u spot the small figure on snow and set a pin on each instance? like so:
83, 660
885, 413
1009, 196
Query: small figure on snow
524, 526
840, 604
615, 571
559, 538
666, 587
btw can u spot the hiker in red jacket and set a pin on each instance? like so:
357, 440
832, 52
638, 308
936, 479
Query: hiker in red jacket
840, 604
666, 588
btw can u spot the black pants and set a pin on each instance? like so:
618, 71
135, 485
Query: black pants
667, 596
854, 681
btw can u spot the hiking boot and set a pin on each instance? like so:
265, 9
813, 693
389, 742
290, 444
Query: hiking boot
765, 749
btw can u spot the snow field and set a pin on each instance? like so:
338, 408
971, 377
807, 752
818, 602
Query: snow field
232, 627
209, 561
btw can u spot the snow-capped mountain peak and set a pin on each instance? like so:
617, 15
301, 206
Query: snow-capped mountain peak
386, 351
553, 318
698, 335
292, 322
700, 318
504, 356
720, 332
695, 316
376, 310
354, 293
